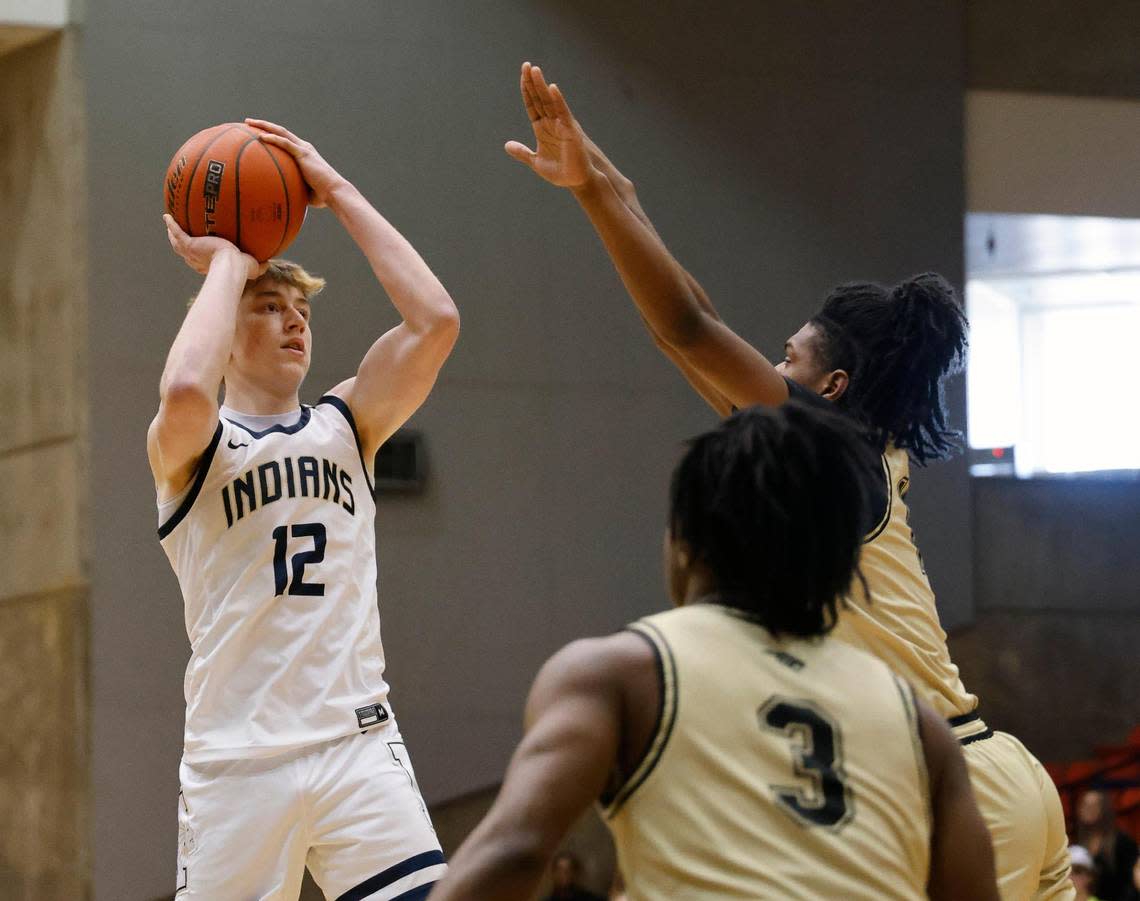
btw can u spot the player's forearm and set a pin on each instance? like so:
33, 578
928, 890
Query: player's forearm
490, 866
415, 291
628, 193
201, 350
658, 285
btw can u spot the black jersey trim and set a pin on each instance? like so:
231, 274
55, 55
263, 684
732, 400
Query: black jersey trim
192, 495
373, 884
666, 715
339, 403
962, 719
306, 414
890, 502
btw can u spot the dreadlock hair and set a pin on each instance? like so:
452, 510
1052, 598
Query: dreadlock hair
896, 345
775, 503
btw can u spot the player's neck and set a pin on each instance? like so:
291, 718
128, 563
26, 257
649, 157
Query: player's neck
698, 587
259, 401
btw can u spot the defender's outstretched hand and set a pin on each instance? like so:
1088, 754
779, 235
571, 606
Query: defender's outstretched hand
198, 253
320, 176
562, 157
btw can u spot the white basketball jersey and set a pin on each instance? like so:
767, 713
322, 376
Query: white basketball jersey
274, 547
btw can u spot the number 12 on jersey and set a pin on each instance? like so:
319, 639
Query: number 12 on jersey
281, 568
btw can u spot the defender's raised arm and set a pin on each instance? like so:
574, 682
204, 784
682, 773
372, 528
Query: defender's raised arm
728, 370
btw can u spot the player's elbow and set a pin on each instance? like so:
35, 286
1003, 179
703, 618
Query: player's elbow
683, 331
443, 327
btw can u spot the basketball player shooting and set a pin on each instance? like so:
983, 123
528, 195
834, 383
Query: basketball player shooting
292, 755
737, 751
879, 356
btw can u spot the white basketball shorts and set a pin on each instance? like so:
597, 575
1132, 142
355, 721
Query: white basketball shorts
348, 809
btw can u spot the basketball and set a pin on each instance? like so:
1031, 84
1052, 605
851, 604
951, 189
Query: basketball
225, 182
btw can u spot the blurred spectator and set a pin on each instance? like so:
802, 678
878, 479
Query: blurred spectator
1082, 873
1113, 852
566, 871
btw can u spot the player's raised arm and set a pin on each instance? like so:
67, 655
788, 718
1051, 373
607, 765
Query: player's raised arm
725, 368
574, 730
400, 368
188, 405
961, 853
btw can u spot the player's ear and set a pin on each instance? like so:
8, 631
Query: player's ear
835, 385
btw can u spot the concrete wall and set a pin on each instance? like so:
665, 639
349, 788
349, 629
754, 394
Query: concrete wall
781, 147
43, 501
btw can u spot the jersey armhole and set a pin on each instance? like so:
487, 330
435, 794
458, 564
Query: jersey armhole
910, 706
666, 718
346, 412
195, 488
888, 498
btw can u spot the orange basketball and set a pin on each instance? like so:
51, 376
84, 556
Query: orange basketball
226, 182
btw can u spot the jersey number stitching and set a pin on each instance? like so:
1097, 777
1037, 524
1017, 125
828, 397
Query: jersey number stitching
298, 585
817, 746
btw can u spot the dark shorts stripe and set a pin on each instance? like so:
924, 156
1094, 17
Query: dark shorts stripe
416, 894
374, 883
980, 736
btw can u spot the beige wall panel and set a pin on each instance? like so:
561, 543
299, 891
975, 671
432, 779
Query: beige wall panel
13, 37
1034, 153
43, 748
42, 194
39, 521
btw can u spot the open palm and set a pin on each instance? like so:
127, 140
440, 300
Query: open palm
562, 157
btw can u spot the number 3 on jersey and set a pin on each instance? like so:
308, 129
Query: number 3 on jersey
817, 748
297, 585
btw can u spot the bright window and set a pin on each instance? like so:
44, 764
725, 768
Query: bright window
1051, 378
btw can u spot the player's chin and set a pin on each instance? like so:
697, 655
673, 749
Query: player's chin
294, 370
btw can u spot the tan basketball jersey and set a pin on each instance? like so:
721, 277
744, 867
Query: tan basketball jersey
787, 769
900, 623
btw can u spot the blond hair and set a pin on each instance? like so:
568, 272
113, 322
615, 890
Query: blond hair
287, 273
290, 273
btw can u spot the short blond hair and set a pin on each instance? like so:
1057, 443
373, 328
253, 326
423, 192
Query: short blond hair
290, 273
286, 272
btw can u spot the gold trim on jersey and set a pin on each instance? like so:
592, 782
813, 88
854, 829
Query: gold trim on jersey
667, 715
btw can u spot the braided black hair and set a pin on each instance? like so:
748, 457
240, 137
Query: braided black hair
775, 503
896, 345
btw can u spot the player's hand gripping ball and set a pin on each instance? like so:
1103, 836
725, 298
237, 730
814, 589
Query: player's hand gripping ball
226, 182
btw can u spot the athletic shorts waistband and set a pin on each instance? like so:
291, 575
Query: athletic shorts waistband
969, 728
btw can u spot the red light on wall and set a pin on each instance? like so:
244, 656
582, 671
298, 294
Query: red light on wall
998, 452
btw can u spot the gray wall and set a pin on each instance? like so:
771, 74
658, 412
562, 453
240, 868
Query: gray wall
1053, 651
781, 149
